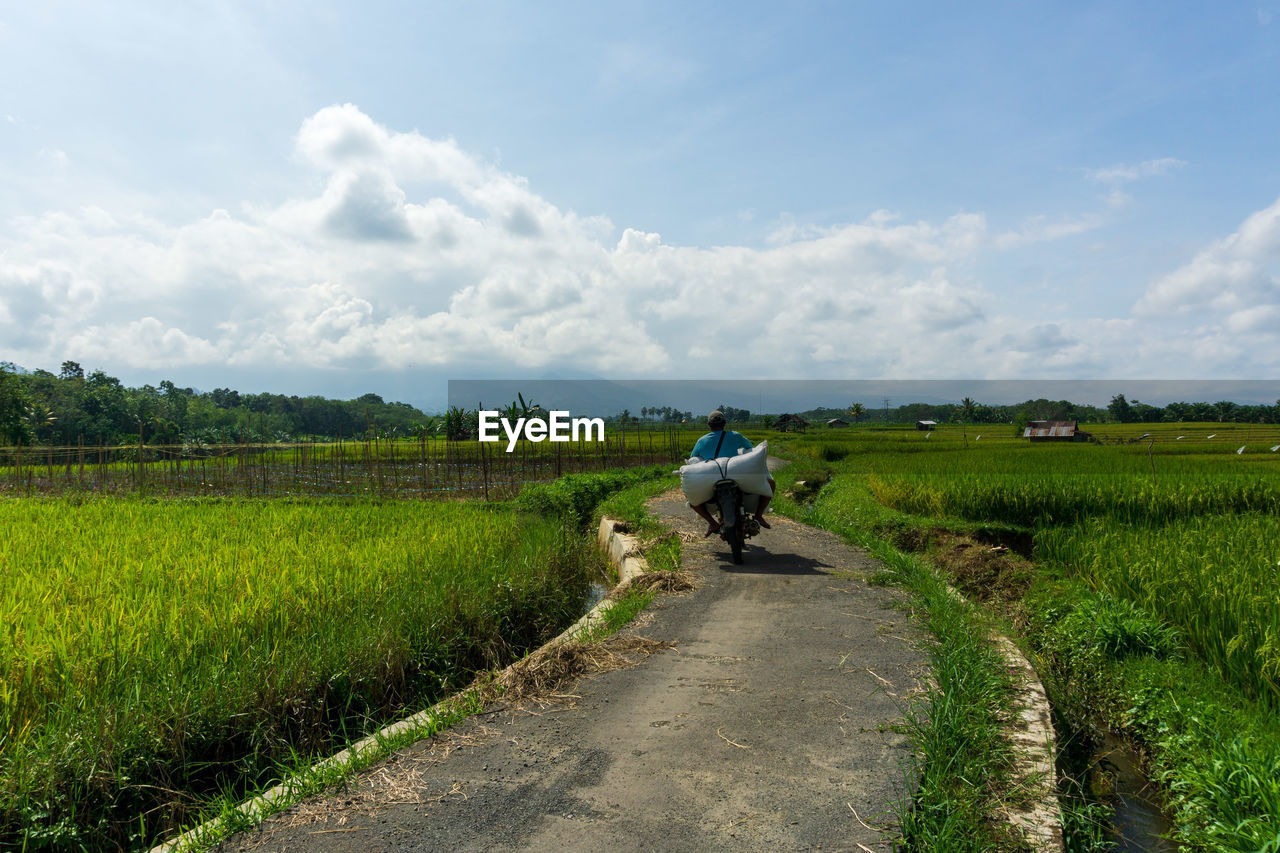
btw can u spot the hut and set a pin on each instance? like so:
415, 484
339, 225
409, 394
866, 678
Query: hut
1053, 431
789, 423
926, 426
836, 422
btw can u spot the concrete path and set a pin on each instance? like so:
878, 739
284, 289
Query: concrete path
764, 728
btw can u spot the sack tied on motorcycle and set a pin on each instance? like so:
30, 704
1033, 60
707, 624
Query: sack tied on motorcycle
750, 470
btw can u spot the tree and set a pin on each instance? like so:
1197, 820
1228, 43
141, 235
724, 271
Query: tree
71, 370
1120, 409
39, 417
225, 398
519, 408
856, 411
967, 409
13, 407
458, 424
1146, 413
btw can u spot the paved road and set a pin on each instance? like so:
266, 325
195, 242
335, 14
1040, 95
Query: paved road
759, 730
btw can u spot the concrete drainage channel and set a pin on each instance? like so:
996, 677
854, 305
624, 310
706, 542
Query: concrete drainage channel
1035, 746
623, 552
1033, 740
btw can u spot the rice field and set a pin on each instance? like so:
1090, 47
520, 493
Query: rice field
155, 651
1188, 528
1216, 577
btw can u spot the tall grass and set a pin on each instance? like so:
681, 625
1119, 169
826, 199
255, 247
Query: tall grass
1214, 577
153, 651
1048, 498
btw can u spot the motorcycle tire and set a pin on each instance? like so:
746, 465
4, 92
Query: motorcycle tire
729, 512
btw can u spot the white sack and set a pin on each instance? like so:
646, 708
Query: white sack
750, 470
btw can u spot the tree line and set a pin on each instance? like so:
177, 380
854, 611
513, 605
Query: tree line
968, 410
40, 407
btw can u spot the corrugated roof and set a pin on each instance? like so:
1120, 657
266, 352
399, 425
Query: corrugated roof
1050, 429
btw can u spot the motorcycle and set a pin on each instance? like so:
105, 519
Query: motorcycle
734, 510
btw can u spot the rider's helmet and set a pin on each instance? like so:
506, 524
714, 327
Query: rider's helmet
715, 420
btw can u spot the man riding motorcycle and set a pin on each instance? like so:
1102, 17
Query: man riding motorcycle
718, 443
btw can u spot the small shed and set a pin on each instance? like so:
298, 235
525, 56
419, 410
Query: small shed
789, 422
1053, 431
836, 422
926, 426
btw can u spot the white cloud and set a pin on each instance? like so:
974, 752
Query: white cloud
1237, 273
412, 251
1222, 308
1040, 229
1127, 173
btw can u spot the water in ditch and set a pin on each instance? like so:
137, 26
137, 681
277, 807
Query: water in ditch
595, 594
1139, 820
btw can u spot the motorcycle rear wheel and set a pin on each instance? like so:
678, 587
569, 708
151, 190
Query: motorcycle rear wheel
729, 512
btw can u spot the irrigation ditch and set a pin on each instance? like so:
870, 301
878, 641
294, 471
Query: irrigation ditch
995, 571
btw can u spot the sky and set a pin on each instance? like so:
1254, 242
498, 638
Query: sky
311, 197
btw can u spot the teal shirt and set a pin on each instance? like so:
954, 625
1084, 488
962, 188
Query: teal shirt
733, 442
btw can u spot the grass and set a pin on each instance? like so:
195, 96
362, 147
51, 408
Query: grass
661, 547
158, 653
231, 813
575, 497
1151, 603
174, 646
1214, 753
1214, 577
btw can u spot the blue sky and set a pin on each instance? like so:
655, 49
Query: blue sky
327, 198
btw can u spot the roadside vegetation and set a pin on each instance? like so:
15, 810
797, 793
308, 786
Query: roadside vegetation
160, 653
661, 546
962, 762
1141, 575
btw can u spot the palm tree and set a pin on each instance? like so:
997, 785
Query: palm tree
39, 417
967, 409
856, 411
